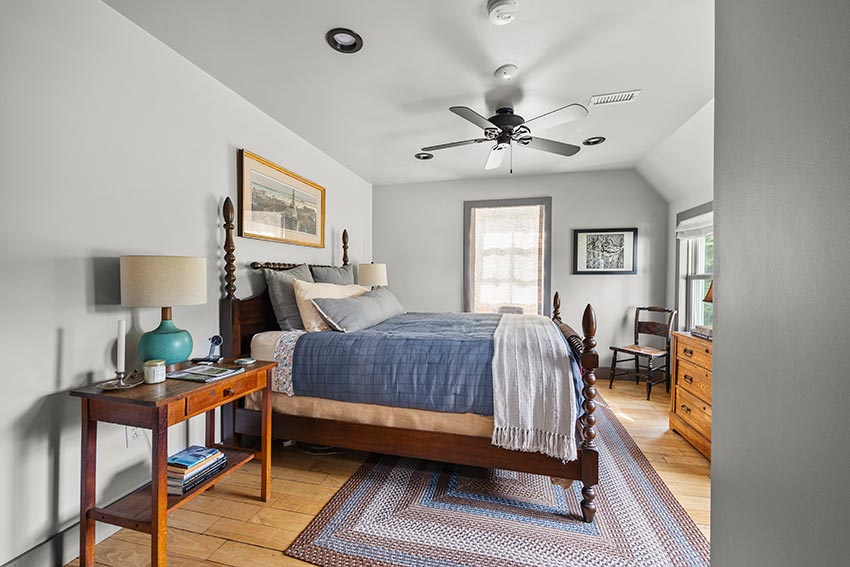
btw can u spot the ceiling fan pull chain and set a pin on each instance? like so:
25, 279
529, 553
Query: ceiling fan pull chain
512, 159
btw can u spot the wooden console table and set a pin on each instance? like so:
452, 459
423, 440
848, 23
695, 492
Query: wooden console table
156, 407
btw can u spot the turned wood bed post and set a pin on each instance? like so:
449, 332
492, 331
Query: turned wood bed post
345, 247
226, 314
589, 454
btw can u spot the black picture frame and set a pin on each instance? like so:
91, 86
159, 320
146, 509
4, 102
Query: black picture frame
591, 258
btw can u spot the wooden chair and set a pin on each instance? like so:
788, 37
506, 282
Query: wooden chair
638, 351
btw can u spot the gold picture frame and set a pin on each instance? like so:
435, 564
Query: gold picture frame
278, 205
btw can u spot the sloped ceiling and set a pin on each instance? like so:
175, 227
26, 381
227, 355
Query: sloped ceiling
682, 167
373, 110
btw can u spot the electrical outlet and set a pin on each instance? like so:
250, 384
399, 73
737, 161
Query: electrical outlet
132, 435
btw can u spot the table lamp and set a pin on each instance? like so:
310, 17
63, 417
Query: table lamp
709, 297
372, 275
164, 281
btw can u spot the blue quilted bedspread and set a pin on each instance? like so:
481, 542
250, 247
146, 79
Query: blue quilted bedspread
429, 361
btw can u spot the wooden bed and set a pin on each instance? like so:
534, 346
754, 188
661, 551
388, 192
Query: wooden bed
241, 319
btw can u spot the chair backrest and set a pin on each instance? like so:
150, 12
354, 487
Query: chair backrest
657, 328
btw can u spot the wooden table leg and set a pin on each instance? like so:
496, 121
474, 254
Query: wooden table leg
87, 486
159, 488
266, 440
210, 419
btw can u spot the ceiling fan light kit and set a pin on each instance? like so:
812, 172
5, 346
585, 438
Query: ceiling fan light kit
502, 12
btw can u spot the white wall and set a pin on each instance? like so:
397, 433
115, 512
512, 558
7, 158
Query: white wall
781, 455
682, 169
418, 233
111, 144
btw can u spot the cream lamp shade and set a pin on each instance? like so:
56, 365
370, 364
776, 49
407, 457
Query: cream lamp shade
373, 275
163, 281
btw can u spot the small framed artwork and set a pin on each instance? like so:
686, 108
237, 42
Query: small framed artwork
279, 205
605, 251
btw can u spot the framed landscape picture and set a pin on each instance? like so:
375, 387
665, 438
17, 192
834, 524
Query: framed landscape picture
276, 204
605, 251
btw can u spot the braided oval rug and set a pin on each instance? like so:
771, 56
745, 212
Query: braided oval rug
407, 512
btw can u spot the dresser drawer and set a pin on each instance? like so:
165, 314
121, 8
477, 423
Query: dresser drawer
226, 391
694, 412
694, 379
695, 352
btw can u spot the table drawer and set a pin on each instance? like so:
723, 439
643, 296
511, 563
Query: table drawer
694, 411
694, 379
694, 352
218, 394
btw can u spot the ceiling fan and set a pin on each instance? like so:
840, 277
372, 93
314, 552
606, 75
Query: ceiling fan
505, 127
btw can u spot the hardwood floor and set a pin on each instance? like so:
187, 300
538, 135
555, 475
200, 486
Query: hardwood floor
229, 526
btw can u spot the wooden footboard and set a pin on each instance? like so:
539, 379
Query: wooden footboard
241, 319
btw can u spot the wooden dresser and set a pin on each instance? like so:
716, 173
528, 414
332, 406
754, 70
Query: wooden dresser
690, 407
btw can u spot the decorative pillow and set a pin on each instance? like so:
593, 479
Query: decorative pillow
343, 275
360, 312
282, 295
305, 292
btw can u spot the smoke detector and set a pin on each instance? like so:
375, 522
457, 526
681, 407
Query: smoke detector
502, 12
506, 72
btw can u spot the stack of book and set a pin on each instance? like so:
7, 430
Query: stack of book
192, 466
702, 331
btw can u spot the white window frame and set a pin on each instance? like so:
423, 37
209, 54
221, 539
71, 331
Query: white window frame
695, 274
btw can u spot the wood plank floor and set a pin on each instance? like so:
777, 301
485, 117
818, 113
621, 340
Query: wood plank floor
229, 526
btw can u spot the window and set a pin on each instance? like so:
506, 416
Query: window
506, 256
698, 279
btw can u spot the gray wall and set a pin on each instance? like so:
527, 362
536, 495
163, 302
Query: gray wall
418, 233
781, 459
111, 144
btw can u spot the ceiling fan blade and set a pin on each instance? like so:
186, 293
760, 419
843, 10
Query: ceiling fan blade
454, 144
497, 154
552, 146
472, 116
558, 116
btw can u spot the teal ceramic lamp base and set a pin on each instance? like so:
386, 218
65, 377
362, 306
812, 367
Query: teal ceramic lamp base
167, 343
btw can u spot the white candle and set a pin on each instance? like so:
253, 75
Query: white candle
122, 336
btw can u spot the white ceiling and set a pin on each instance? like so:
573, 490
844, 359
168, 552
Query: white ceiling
373, 110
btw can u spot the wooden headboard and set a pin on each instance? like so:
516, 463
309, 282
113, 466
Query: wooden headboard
241, 319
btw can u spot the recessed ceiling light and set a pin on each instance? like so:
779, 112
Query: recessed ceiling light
423, 156
594, 141
344, 40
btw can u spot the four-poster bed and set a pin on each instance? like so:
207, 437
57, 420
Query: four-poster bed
241, 319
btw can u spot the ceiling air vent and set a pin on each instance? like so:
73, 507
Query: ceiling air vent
614, 98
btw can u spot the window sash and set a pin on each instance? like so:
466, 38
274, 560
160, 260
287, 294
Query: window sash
518, 247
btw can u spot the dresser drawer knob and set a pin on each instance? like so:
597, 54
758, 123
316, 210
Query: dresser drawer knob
228, 392
689, 379
686, 408
687, 352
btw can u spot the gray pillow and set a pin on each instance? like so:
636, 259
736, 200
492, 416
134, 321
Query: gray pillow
361, 312
343, 275
282, 295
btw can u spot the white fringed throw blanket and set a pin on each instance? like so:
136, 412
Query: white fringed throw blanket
533, 397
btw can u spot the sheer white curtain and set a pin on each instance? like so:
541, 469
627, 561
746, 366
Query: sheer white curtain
507, 259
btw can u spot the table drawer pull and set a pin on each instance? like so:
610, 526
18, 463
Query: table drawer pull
228, 392
688, 378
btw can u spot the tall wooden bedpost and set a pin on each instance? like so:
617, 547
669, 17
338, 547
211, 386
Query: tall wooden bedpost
345, 247
556, 308
226, 316
589, 454
231, 345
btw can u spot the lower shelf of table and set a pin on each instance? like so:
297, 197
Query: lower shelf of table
134, 510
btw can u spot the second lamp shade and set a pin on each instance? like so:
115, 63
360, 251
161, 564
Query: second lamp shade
372, 274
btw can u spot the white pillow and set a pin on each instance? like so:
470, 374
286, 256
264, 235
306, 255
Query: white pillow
305, 292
